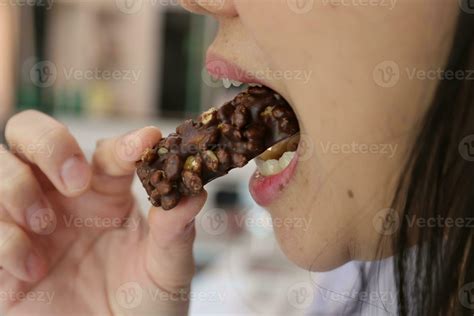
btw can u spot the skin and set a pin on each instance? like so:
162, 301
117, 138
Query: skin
344, 101
86, 270
89, 270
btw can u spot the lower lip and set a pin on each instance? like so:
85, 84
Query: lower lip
265, 190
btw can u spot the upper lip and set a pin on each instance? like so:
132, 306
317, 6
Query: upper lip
221, 68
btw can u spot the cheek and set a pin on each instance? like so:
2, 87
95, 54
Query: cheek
278, 40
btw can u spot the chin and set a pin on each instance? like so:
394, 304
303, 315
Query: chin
307, 251
312, 261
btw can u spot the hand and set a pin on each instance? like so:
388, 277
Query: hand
72, 241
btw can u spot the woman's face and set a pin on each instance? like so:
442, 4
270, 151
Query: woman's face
359, 74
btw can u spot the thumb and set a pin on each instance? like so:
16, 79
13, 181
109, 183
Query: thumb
114, 159
169, 246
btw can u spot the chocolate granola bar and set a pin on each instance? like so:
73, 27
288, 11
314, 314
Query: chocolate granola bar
217, 141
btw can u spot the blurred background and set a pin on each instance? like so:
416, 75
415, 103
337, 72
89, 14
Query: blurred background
105, 67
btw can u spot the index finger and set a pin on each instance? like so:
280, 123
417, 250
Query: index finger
117, 156
48, 144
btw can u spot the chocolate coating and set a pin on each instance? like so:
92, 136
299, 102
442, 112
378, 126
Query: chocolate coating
216, 142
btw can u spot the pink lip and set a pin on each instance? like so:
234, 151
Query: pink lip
266, 190
263, 189
219, 68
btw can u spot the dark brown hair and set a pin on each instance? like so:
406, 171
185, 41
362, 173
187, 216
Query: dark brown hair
438, 182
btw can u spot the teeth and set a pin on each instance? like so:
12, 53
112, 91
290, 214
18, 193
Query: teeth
268, 167
236, 83
226, 83
273, 166
229, 83
285, 160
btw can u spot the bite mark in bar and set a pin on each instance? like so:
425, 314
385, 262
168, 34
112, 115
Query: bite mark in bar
218, 141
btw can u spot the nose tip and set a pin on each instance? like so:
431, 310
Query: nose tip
193, 6
212, 7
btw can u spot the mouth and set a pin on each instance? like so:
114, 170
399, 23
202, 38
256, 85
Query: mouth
277, 165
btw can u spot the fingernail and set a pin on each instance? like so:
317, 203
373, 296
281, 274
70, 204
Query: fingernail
75, 174
33, 266
130, 146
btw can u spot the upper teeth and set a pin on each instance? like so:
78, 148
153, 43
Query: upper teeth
228, 83
273, 166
